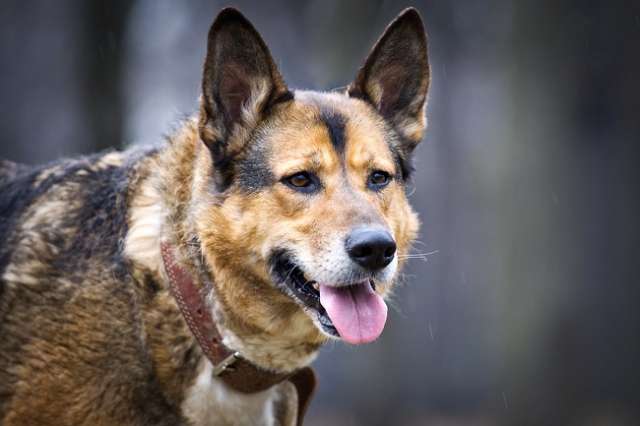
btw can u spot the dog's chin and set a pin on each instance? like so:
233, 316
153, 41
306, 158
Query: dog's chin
290, 278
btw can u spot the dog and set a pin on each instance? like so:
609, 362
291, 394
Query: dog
192, 283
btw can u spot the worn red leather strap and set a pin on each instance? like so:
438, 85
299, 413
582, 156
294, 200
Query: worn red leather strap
238, 373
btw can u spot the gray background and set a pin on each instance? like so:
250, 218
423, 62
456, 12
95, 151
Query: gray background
525, 309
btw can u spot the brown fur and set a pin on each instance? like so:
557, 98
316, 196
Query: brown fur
90, 333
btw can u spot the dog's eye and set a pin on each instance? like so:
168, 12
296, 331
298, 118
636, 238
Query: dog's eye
378, 179
299, 180
302, 181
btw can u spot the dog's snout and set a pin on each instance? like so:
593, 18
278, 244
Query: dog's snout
372, 249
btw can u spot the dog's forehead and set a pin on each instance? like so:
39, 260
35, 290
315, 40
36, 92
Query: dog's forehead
338, 108
330, 126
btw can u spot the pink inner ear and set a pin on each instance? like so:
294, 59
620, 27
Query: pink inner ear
234, 90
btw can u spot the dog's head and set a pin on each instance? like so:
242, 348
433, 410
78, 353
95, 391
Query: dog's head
305, 219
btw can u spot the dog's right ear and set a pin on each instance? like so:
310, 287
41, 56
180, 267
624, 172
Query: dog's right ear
240, 82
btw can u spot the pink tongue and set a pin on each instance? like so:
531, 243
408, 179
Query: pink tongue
357, 311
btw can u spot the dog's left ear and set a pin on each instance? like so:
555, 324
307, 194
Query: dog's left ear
395, 77
240, 83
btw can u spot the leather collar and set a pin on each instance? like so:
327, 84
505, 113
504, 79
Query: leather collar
229, 366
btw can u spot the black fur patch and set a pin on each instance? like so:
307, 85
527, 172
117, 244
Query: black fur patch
100, 223
254, 172
16, 196
404, 164
251, 172
335, 123
222, 164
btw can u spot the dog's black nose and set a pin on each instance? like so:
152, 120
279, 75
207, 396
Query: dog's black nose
371, 248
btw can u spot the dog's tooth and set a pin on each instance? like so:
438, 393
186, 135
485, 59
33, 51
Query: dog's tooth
316, 286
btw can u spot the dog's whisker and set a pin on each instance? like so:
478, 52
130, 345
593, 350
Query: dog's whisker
421, 256
293, 268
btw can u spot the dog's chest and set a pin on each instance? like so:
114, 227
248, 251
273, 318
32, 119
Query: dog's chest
210, 402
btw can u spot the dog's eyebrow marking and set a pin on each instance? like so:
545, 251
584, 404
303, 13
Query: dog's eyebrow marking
335, 123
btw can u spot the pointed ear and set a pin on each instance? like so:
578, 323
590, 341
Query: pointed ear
240, 83
395, 77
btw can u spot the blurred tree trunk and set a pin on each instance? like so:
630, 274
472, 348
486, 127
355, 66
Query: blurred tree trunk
104, 33
61, 66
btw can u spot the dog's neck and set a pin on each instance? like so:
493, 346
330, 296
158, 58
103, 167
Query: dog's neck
162, 210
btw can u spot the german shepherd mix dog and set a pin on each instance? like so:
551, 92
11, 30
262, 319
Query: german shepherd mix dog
193, 283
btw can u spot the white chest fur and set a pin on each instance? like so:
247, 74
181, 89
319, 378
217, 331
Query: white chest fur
210, 402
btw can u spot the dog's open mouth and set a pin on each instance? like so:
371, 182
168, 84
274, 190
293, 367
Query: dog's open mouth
354, 312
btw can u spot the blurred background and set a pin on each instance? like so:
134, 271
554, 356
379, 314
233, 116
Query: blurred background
524, 310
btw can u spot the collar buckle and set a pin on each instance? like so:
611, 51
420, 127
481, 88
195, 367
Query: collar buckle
226, 364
